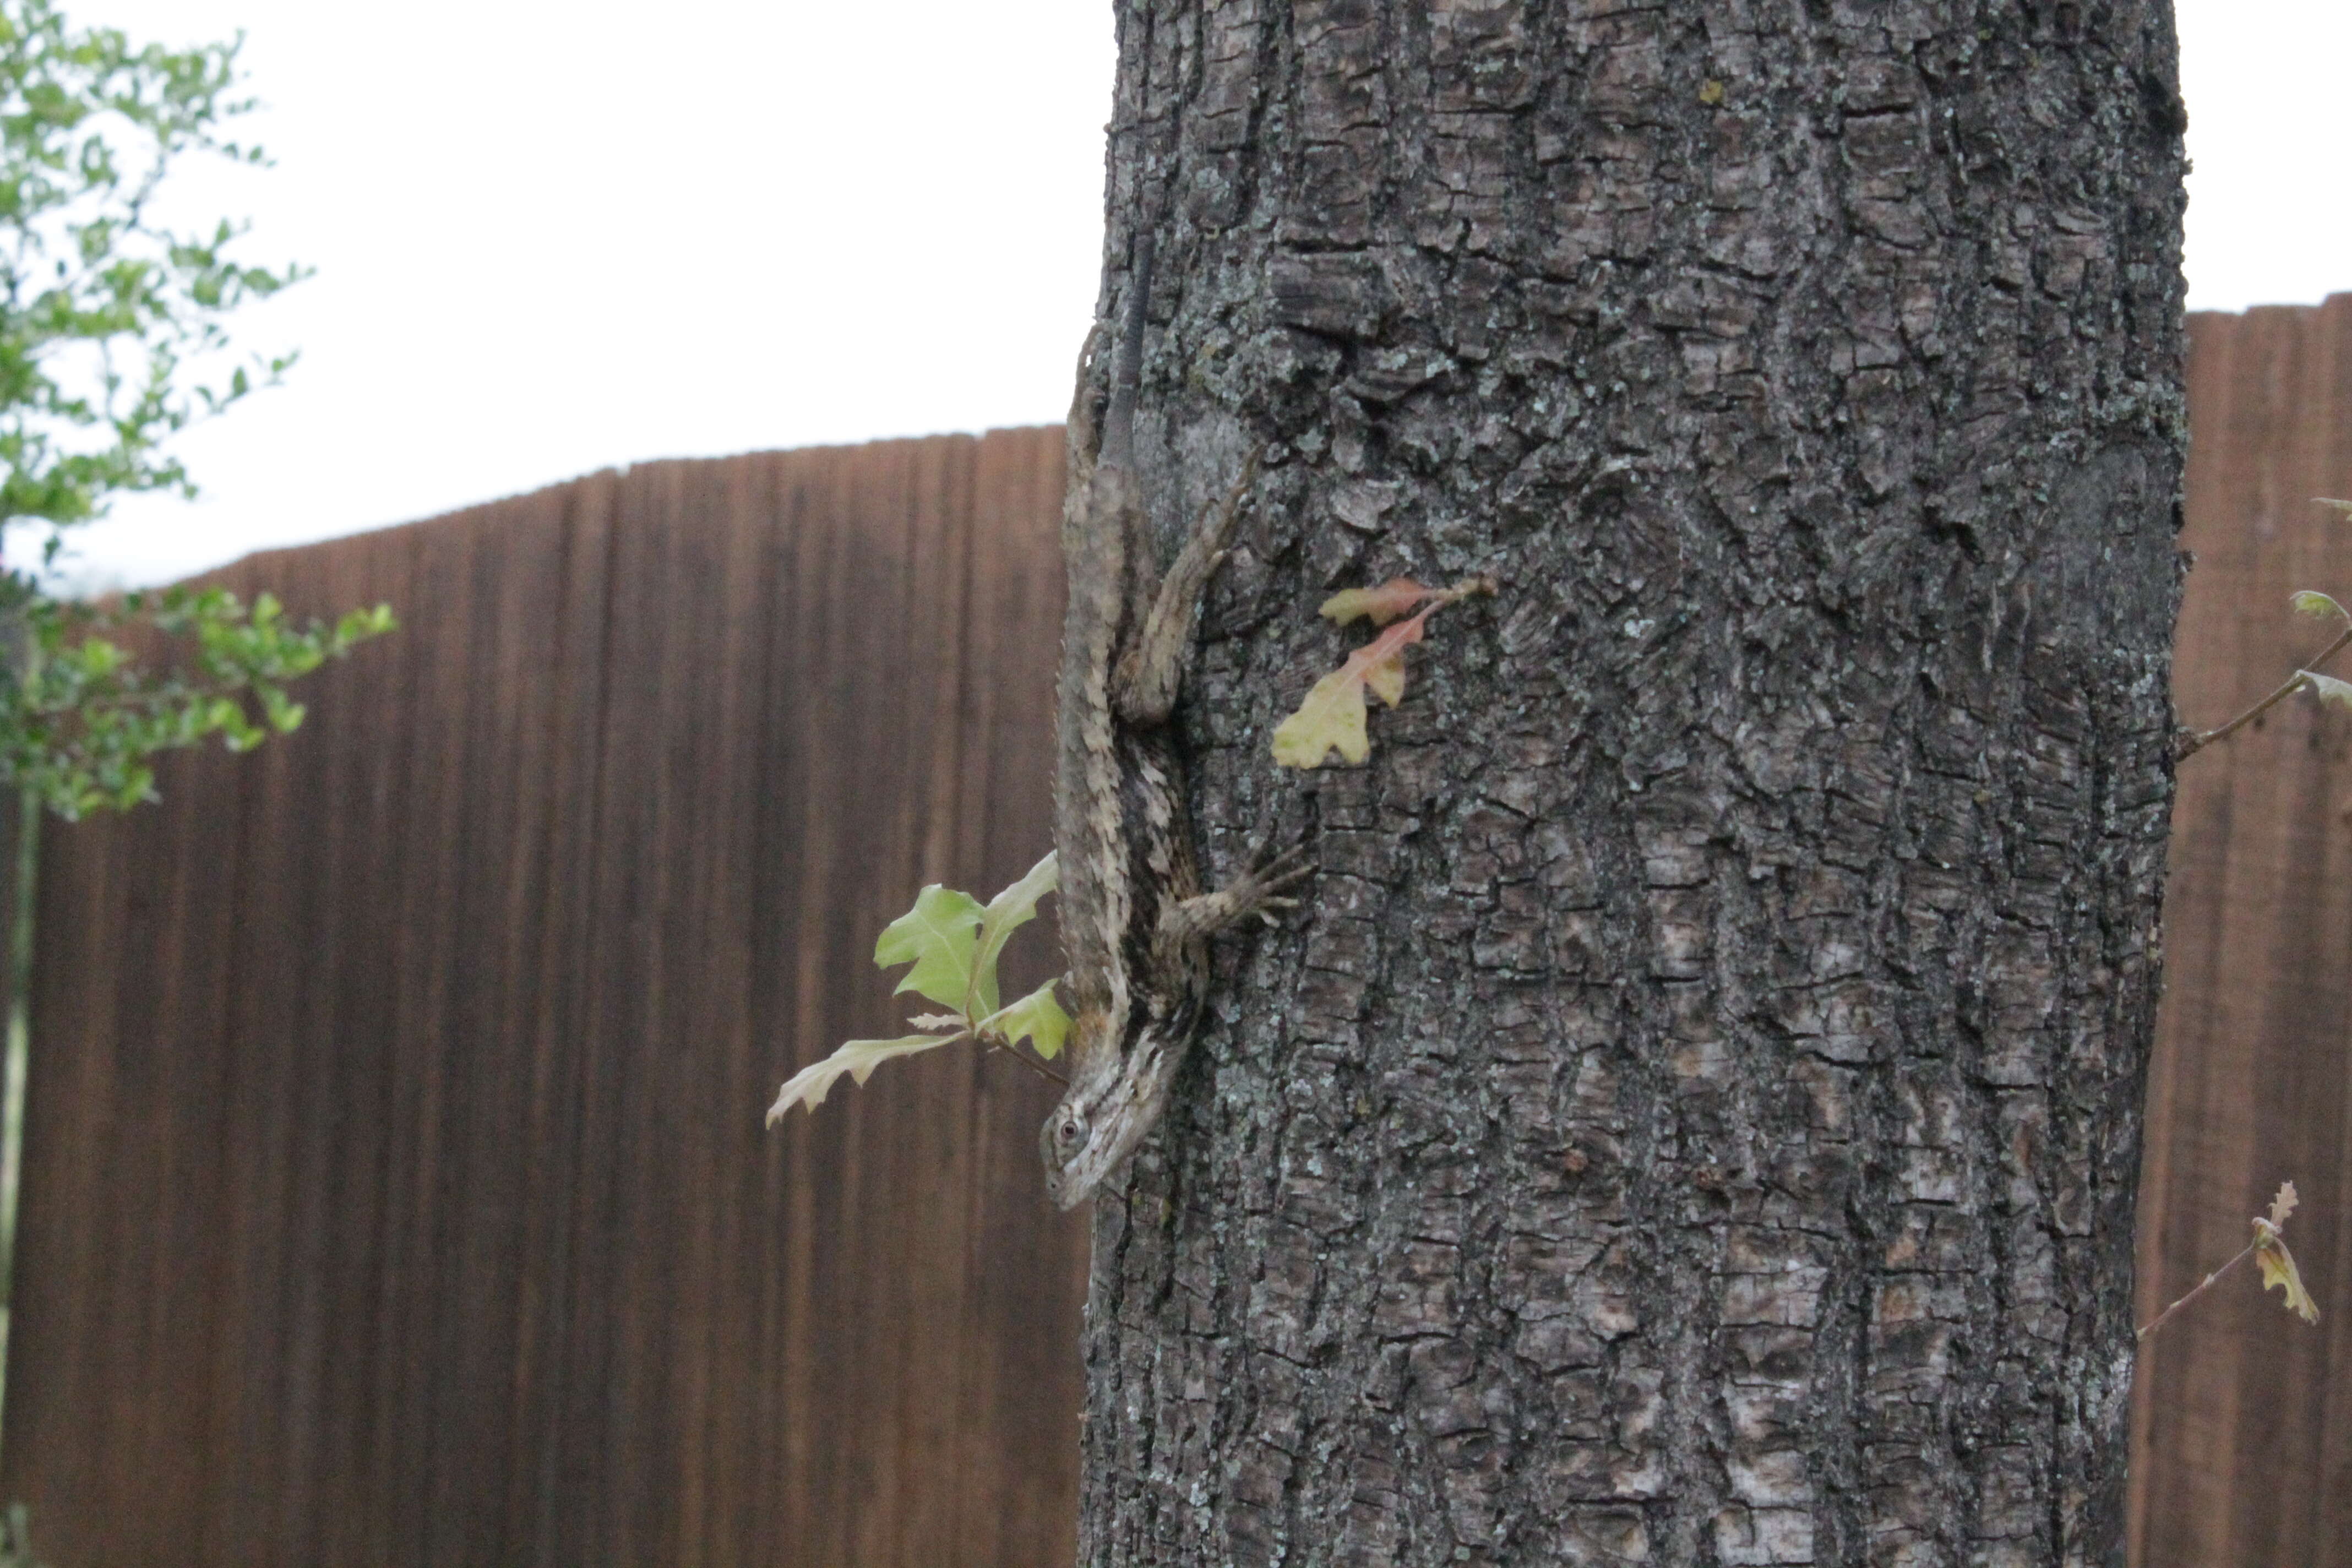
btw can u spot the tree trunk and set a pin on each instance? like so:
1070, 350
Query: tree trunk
1692, 1118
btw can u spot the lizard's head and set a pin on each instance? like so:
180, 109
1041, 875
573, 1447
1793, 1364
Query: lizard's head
1114, 1098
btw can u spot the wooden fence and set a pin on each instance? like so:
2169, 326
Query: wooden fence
2243, 1415
396, 1189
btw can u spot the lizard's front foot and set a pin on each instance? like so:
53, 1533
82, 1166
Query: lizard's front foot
1259, 891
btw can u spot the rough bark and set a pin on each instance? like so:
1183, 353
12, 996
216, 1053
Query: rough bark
1694, 1117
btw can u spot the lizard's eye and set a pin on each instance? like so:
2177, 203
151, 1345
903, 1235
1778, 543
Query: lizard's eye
1071, 1132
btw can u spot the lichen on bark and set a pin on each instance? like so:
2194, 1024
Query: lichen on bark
1694, 1120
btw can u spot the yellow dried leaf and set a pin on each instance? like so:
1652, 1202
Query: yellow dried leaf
1385, 678
2278, 1269
1331, 719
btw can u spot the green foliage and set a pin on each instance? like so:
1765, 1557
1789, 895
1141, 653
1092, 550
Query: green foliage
1037, 1019
107, 312
2311, 602
1006, 913
111, 342
938, 938
952, 945
82, 719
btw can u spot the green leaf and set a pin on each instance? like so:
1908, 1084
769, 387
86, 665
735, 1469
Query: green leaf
1036, 1017
938, 936
2310, 602
2326, 688
284, 715
1006, 913
858, 1059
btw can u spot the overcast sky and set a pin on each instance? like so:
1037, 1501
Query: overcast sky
551, 238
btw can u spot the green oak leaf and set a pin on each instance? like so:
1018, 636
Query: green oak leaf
1006, 913
1036, 1017
936, 936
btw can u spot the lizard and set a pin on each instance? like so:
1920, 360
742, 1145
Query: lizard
1135, 922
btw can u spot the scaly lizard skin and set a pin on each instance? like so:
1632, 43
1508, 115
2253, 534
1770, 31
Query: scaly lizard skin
1135, 924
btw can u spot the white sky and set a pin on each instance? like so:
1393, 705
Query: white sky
555, 238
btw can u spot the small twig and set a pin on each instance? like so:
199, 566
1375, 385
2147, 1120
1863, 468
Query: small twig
2208, 1283
1031, 1063
2197, 741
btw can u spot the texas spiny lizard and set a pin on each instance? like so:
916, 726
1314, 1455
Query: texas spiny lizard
1135, 922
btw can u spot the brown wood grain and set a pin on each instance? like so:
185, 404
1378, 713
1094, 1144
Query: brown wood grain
397, 1188
2243, 1419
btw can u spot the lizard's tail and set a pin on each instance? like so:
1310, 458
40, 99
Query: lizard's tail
1127, 371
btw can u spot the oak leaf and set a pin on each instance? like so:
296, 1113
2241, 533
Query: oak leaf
2311, 602
2326, 688
938, 936
953, 945
2278, 1269
1331, 719
1397, 596
1006, 913
2277, 1262
858, 1059
1036, 1017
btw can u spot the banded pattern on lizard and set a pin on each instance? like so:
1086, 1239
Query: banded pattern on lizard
1135, 922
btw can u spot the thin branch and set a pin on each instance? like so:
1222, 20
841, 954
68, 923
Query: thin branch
1031, 1063
2197, 741
2208, 1283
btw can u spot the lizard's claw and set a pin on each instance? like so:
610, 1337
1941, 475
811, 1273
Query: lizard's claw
1272, 871
1269, 875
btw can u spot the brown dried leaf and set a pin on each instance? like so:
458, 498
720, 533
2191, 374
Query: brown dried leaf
2284, 1204
1397, 596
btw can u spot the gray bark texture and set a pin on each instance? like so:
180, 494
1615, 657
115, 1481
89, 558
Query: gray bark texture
1693, 1116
